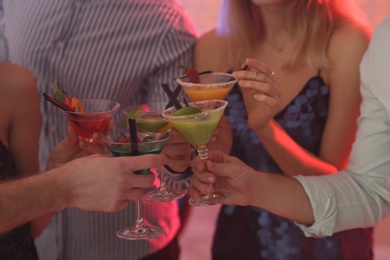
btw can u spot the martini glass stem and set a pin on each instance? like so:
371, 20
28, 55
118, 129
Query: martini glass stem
161, 172
139, 211
203, 152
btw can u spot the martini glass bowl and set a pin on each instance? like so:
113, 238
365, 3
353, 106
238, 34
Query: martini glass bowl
213, 85
96, 118
150, 121
199, 129
150, 143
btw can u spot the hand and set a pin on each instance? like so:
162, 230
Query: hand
105, 183
222, 139
178, 150
71, 148
225, 173
261, 93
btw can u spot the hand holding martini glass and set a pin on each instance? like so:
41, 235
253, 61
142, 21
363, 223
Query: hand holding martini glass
197, 123
150, 121
137, 143
86, 115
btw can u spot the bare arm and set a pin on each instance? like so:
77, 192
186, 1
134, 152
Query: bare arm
94, 183
340, 128
281, 195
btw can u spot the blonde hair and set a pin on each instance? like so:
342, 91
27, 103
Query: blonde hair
314, 22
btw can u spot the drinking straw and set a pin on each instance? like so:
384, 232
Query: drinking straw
175, 93
133, 137
200, 73
172, 98
185, 102
56, 103
242, 68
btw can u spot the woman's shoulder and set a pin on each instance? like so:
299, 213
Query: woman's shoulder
17, 86
349, 39
209, 50
14, 79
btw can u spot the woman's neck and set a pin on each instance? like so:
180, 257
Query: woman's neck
277, 33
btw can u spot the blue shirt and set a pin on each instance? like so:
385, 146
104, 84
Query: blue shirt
111, 49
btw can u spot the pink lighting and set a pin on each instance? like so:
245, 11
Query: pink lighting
204, 13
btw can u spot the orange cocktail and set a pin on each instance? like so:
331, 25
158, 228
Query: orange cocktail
214, 85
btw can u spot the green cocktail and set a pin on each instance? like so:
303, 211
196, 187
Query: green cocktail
199, 128
148, 143
150, 121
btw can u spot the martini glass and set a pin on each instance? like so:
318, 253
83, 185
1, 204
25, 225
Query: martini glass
214, 85
149, 120
119, 145
199, 129
96, 118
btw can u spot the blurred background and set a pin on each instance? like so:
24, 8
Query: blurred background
197, 235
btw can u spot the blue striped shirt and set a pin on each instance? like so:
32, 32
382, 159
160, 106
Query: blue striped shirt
112, 49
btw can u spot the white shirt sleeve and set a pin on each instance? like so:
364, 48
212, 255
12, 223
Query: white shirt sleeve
359, 196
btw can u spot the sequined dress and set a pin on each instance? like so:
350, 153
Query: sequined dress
18, 243
252, 233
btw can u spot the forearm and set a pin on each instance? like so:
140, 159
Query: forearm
345, 201
29, 198
289, 155
281, 195
39, 224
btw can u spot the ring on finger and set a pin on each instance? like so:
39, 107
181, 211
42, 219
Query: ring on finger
254, 75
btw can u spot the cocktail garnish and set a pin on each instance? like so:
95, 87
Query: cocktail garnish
185, 111
77, 105
192, 74
134, 114
62, 97
56, 103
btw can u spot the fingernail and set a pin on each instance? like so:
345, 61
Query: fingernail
210, 179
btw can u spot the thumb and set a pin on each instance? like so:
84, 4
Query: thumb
227, 166
73, 136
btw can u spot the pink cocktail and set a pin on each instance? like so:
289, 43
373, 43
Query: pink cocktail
96, 118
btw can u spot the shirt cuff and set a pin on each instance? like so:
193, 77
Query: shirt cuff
178, 180
324, 206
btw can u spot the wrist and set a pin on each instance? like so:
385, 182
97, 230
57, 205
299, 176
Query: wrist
52, 164
186, 171
59, 184
256, 189
266, 131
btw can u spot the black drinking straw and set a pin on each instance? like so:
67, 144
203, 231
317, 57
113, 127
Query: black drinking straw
56, 103
175, 93
133, 137
172, 98
242, 68
185, 102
